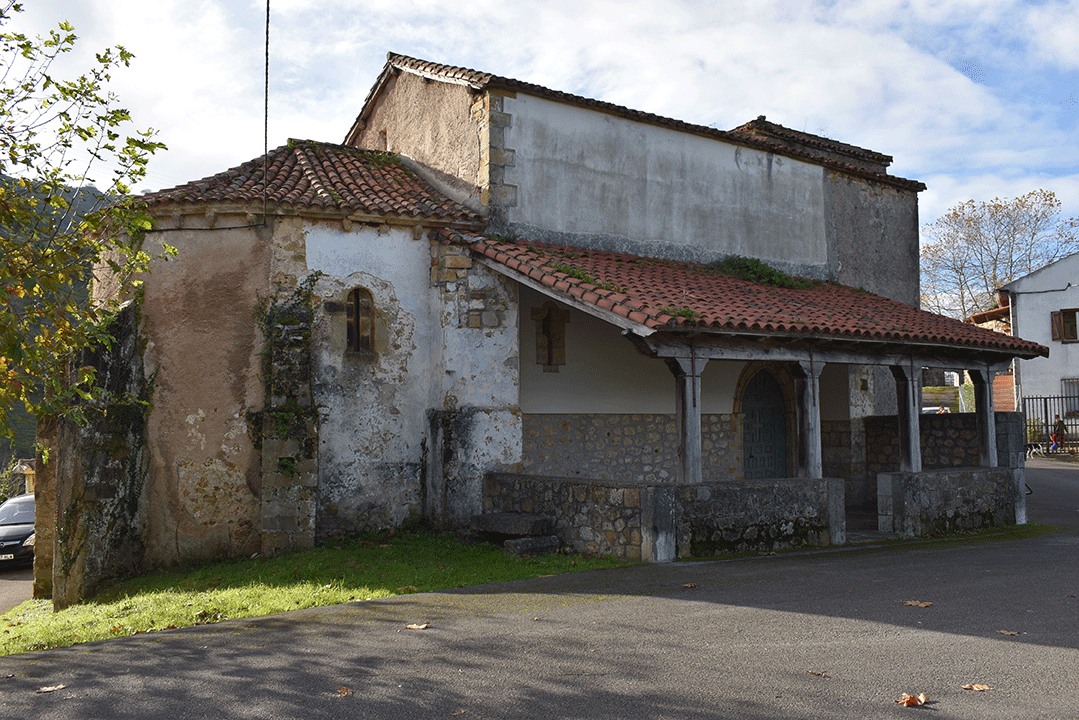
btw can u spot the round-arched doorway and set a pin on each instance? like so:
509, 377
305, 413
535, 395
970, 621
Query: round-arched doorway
764, 430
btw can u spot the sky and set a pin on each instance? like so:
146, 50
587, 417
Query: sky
976, 98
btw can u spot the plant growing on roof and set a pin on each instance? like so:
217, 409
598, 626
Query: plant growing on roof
680, 312
754, 271
584, 277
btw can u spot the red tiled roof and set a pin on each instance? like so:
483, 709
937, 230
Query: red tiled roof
660, 294
314, 175
483, 80
998, 313
775, 134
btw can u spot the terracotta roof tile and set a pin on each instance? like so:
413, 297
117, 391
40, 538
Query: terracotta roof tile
670, 295
776, 135
483, 80
314, 175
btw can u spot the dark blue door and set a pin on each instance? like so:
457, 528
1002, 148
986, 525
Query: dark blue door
764, 434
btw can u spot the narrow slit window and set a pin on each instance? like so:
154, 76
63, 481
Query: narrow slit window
360, 310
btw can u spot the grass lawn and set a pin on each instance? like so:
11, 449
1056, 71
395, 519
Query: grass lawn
337, 572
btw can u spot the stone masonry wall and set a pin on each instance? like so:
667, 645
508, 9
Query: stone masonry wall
626, 519
627, 447
289, 439
835, 447
735, 517
591, 516
96, 474
945, 501
948, 441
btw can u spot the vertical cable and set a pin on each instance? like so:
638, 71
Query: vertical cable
266, 119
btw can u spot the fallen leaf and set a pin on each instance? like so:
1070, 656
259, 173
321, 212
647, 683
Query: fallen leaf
408, 588
912, 700
49, 689
917, 603
1007, 632
689, 585
459, 712
386, 546
418, 626
818, 674
976, 686
343, 691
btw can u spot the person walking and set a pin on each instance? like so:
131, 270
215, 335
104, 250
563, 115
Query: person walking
1060, 430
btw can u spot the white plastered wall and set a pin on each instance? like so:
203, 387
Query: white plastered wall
376, 410
1053, 288
604, 373
595, 175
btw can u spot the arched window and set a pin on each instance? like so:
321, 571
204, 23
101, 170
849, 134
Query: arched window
360, 311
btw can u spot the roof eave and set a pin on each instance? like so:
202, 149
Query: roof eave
929, 348
282, 210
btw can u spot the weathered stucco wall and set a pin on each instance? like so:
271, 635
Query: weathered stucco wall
202, 353
409, 429
873, 236
92, 526
592, 179
441, 125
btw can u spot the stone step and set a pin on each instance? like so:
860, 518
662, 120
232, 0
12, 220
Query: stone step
513, 524
523, 547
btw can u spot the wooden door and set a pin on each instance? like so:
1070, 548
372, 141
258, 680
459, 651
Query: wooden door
765, 430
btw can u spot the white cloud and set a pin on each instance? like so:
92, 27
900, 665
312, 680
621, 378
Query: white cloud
942, 85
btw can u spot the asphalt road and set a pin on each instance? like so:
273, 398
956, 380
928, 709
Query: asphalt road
823, 634
16, 586
1055, 500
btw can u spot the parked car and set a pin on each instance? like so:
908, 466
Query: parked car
17, 531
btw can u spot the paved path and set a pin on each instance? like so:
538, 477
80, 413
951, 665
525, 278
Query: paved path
16, 586
822, 635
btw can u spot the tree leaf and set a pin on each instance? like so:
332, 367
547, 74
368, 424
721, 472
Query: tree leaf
418, 626
912, 700
976, 686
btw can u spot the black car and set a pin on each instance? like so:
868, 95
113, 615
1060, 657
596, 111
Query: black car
17, 531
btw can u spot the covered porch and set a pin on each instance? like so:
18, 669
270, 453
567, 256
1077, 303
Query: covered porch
772, 391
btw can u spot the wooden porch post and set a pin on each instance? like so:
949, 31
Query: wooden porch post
983, 407
908, 380
807, 388
687, 413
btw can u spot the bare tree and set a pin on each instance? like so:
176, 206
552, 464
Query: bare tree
976, 247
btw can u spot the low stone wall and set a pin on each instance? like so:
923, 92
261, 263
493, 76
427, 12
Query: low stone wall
642, 521
948, 441
938, 502
733, 517
627, 447
591, 516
